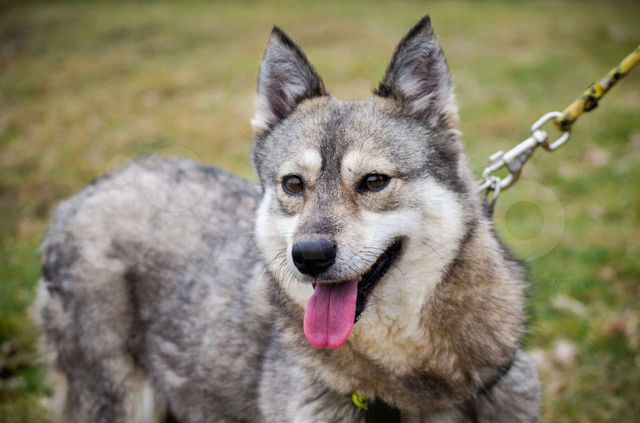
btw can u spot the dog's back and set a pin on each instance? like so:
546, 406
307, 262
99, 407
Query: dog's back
143, 273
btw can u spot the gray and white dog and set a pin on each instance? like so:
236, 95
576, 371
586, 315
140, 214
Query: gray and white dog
363, 263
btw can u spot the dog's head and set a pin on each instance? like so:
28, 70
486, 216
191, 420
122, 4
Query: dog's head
365, 202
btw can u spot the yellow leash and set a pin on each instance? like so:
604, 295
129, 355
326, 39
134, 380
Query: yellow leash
589, 99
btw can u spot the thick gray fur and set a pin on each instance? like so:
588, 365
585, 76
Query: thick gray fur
168, 291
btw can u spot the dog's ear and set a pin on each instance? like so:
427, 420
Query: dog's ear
286, 79
418, 77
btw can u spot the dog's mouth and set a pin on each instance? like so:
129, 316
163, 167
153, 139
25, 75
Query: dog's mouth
334, 308
375, 273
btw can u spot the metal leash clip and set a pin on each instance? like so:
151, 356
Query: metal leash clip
540, 122
515, 159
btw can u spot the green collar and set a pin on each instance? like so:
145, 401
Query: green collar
380, 412
376, 411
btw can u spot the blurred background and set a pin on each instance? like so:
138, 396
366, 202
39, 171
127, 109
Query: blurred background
86, 87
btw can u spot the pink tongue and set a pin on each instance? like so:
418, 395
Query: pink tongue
330, 314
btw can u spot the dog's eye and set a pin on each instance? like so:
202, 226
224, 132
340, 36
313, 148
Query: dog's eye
292, 185
373, 182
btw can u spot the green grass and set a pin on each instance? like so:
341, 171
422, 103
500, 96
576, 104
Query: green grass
85, 86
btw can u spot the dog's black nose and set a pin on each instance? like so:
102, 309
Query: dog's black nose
313, 257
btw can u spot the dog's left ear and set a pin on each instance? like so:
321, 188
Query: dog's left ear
286, 79
418, 77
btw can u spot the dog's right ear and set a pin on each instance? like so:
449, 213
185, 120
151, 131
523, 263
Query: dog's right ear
418, 78
286, 79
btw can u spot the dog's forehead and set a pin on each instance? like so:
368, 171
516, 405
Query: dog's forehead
367, 126
332, 131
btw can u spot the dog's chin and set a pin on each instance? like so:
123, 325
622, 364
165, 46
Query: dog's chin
370, 279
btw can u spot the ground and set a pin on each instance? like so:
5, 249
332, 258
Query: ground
85, 87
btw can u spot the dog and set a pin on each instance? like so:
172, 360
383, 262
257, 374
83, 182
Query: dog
361, 280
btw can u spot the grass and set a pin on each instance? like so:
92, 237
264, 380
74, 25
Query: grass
84, 87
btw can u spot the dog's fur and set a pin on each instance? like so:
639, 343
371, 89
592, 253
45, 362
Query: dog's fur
159, 300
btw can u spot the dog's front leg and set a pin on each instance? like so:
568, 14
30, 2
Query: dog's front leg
515, 398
